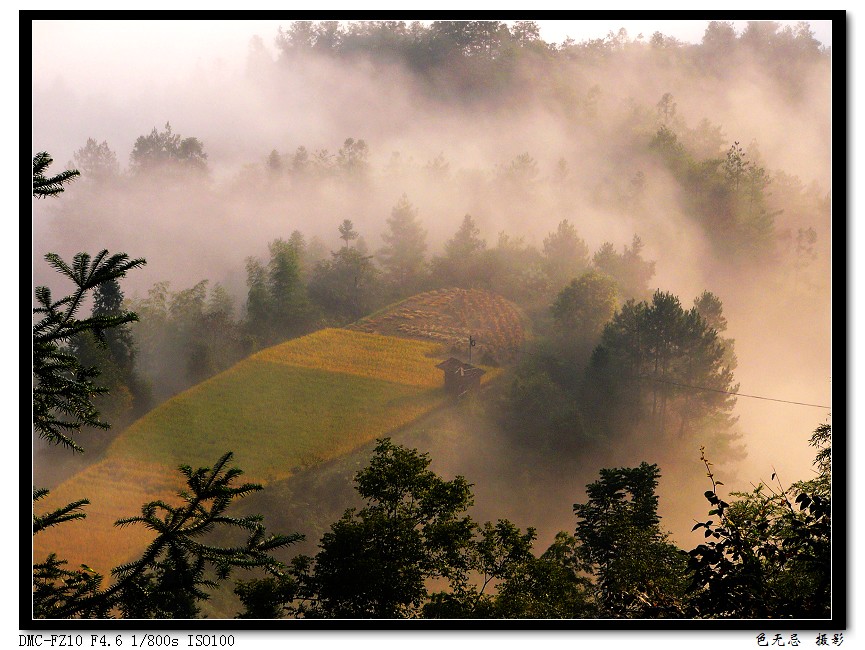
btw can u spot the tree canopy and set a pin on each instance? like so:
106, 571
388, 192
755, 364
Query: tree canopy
402, 256
664, 366
159, 149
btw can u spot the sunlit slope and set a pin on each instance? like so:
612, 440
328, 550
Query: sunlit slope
288, 407
292, 405
365, 355
115, 488
450, 317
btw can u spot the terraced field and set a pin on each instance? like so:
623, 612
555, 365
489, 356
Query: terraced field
449, 317
288, 407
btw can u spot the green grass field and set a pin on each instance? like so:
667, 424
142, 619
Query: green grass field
288, 407
292, 405
387, 358
274, 417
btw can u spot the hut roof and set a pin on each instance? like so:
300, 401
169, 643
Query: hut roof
454, 365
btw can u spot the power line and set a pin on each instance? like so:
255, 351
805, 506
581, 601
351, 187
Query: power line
718, 390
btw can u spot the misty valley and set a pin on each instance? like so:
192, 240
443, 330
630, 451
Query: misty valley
399, 320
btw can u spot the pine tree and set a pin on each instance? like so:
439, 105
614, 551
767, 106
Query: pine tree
565, 254
63, 389
403, 254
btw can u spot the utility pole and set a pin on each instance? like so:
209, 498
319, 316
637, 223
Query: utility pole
471, 345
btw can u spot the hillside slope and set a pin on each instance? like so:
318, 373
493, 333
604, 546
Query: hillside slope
285, 408
282, 410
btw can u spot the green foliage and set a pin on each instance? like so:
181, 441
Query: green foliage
663, 366
630, 271
128, 394
170, 577
553, 585
499, 552
711, 310
165, 149
347, 233
666, 108
63, 389
466, 242
638, 573
69, 512
380, 560
97, 162
352, 160
461, 265
374, 562
62, 593
264, 598
518, 180
821, 440
540, 410
347, 286
583, 307
565, 254
278, 306
178, 566
186, 336
274, 162
768, 554
403, 254
515, 270
44, 186
727, 195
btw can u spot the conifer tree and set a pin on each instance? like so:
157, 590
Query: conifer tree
403, 254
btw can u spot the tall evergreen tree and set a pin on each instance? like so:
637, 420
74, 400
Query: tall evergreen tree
63, 390
403, 254
663, 366
289, 305
631, 272
277, 304
345, 287
461, 264
347, 233
565, 254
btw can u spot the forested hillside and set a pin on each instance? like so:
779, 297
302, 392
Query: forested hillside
630, 235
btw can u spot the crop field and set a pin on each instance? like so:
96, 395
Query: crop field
115, 488
288, 407
403, 361
274, 417
449, 317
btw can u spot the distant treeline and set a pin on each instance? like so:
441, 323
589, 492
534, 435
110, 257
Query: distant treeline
484, 58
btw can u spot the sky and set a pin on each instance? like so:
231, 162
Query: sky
166, 48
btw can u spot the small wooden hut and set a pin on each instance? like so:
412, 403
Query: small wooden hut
460, 377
